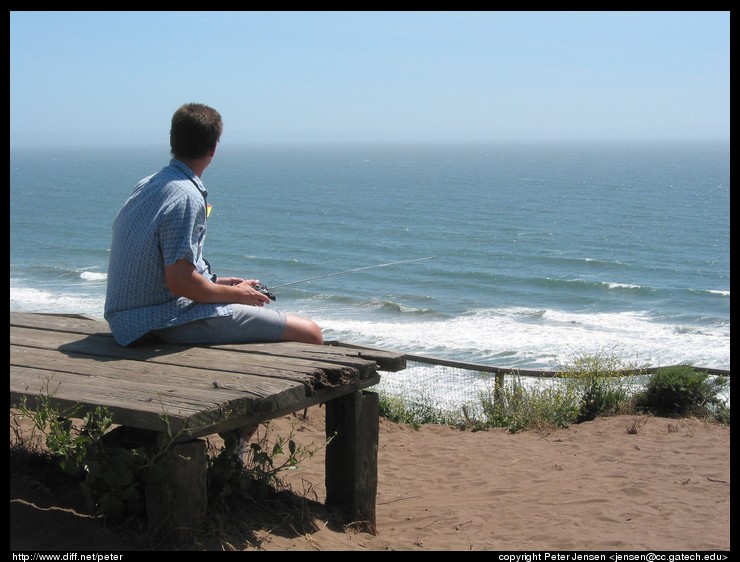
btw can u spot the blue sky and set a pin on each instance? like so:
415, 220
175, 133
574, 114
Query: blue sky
115, 78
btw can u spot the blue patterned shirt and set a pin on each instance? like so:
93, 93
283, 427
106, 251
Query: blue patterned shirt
163, 220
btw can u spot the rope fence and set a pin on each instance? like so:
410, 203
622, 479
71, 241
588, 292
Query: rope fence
453, 386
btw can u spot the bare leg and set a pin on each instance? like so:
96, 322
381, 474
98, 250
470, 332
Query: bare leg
302, 330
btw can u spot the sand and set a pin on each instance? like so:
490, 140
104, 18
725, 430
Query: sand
623, 483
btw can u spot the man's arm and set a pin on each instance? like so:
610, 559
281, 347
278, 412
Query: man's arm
184, 281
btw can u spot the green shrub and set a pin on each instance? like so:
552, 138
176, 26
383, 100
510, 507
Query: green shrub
514, 406
259, 473
681, 390
414, 413
603, 381
108, 477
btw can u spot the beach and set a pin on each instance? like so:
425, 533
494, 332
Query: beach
614, 484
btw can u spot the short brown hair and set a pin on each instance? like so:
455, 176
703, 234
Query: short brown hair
196, 128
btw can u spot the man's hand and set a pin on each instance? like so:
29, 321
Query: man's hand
184, 281
249, 293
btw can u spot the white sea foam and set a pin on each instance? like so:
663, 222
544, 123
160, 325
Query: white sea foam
93, 276
24, 299
623, 286
511, 338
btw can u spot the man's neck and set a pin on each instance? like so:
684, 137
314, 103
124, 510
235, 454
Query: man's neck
197, 165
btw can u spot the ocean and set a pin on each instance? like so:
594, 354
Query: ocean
541, 251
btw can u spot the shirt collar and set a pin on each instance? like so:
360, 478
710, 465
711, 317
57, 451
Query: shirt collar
185, 169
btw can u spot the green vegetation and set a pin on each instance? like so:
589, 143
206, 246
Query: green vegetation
588, 386
602, 382
258, 474
74, 445
111, 479
517, 407
683, 391
413, 413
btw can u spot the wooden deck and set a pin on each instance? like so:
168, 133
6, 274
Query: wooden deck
198, 391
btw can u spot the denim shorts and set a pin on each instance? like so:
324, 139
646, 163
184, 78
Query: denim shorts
247, 324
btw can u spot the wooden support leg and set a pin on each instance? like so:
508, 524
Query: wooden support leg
176, 498
175, 489
352, 457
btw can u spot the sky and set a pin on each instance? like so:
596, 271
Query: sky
116, 78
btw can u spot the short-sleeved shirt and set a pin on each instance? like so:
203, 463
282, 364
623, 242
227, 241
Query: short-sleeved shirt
164, 220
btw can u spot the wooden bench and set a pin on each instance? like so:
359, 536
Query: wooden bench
193, 392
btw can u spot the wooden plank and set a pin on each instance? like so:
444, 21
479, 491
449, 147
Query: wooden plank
146, 407
385, 360
86, 381
289, 351
323, 397
76, 362
66, 391
363, 358
132, 407
155, 375
60, 322
165, 398
321, 374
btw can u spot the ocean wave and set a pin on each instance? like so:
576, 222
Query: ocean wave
42, 272
591, 263
591, 284
711, 331
401, 308
345, 304
624, 286
529, 314
538, 341
23, 299
715, 292
93, 276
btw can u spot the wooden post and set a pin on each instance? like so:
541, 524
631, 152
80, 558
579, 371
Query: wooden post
176, 499
352, 457
499, 386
